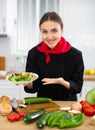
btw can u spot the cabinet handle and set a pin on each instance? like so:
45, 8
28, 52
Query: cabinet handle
4, 27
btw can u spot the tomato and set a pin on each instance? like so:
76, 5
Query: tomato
93, 106
13, 117
21, 114
87, 109
17, 116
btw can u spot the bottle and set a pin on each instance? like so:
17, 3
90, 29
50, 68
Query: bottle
18, 64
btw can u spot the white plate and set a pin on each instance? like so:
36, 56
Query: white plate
33, 76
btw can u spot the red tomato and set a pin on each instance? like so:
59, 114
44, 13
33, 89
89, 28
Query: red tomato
13, 117
87, 109
21, 114
93, 106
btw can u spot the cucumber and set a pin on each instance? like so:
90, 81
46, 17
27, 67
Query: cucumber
43, 119
33, 116
33, 100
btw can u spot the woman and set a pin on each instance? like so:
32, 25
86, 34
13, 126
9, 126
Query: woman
59, 65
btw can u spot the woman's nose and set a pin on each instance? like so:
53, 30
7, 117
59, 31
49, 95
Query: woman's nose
49, 35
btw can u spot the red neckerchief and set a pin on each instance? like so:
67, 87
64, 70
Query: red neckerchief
62, 47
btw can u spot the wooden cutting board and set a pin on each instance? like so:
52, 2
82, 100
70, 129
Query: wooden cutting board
47, 106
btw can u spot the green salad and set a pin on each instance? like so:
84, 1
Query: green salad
22, 77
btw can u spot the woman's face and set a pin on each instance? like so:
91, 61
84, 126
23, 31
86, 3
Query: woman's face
51, 33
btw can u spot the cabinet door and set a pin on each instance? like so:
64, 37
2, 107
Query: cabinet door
11, 17
8, 13
2, 17
11, 90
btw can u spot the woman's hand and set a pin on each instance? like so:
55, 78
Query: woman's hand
49, 81
52, 81
28, 85
60, 81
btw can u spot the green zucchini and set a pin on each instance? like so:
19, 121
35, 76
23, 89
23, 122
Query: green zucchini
33, 100
33, 116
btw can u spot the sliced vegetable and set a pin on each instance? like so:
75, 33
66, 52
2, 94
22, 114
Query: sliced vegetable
33, 116
74, 111
90, 96
22, 105
65, 108
30, 100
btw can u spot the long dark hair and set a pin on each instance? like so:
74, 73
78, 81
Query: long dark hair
51, 16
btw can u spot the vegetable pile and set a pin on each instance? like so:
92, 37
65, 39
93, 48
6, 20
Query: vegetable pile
22, 77
54, 118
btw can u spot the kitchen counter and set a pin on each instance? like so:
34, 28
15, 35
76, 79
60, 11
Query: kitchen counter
21, 125
89, 77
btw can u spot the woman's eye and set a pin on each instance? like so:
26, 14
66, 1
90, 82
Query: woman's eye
44, 32
54, 30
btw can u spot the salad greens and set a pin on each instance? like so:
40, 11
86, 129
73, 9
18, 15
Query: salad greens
22, 77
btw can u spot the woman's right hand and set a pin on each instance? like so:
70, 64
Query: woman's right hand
28, 85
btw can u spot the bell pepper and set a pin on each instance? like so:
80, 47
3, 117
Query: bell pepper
74, 121
60, 115
87, 109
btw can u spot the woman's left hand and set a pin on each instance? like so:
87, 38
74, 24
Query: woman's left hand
60, 81
52, 81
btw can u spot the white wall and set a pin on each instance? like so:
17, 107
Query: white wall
79, 29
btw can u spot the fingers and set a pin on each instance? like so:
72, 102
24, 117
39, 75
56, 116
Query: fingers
48, 81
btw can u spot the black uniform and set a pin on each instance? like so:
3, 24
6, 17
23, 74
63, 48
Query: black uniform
68, 65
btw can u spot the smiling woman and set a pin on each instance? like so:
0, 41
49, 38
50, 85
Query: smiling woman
55, 61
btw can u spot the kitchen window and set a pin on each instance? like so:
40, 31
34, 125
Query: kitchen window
29, 13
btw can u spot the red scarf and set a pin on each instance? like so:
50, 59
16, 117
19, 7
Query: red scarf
62, 47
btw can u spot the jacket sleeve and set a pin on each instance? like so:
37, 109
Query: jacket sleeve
77, 77
32, 67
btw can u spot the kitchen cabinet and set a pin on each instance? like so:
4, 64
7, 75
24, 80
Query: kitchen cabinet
11, 90
3, 17
8, 12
